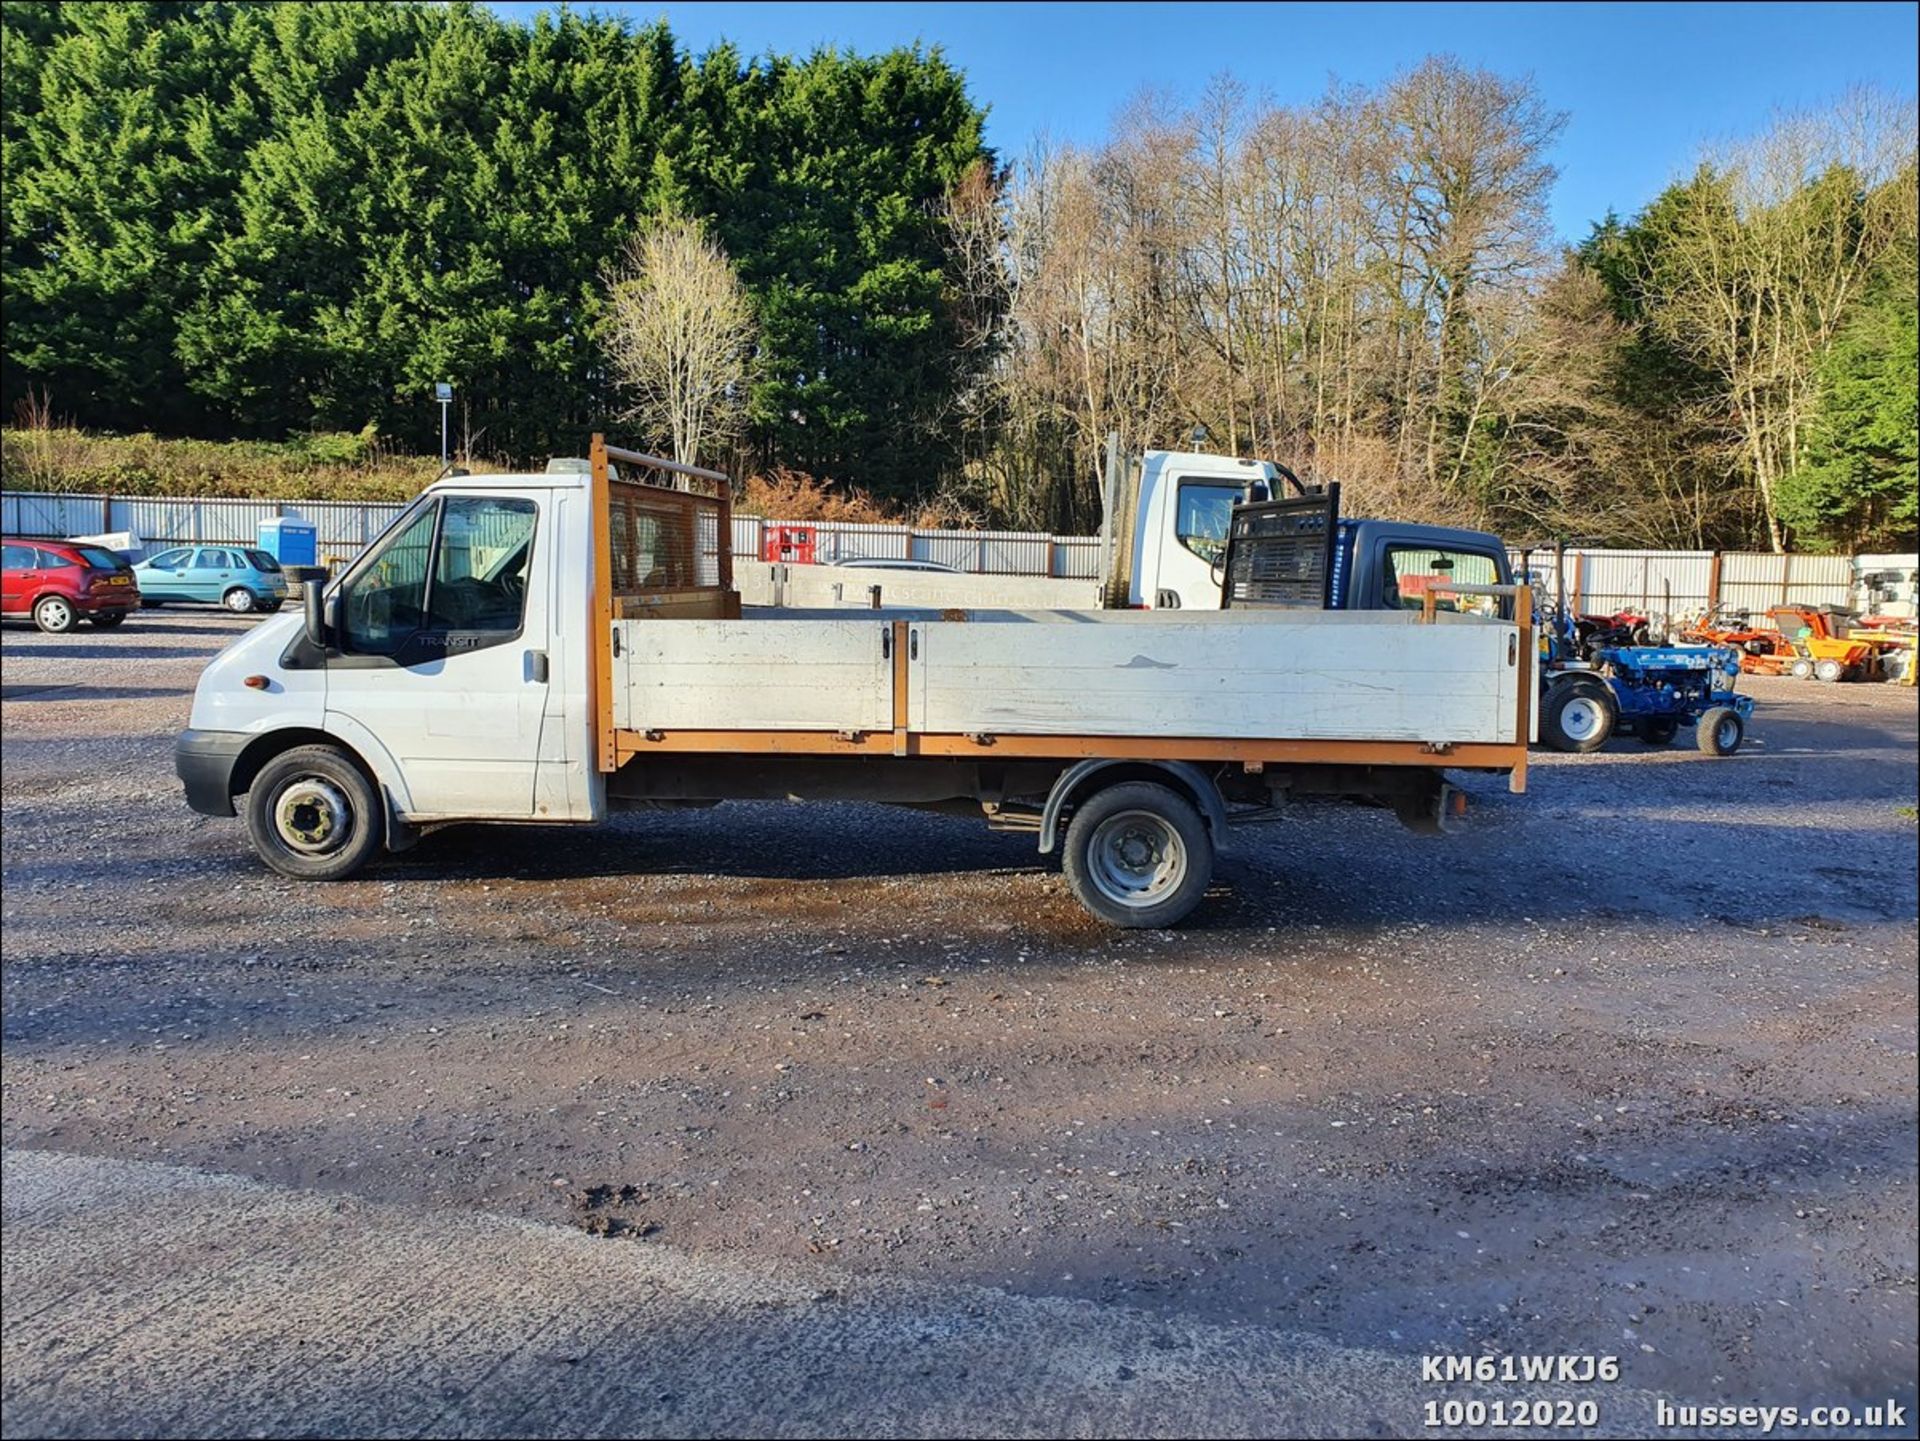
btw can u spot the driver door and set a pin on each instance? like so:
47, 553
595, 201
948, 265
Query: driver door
440, 641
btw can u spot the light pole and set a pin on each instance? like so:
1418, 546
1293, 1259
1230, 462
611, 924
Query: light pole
443, 392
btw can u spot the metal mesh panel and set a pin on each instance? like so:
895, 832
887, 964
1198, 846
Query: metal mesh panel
662, 539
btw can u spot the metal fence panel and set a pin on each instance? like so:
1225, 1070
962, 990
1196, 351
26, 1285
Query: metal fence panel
1076, 557
1754, 582
31, 513
1646, 581
989, 552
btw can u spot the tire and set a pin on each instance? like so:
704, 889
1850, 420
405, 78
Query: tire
1829, 671
313, 815
1757, 647
1721, 731
1660, 731
1802, 669
55, 614
1138, 855
272, 607
239, 600
1893, 665
108, 619
1578, 716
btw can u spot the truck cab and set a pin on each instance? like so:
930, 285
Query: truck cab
1177, 511
1391, 565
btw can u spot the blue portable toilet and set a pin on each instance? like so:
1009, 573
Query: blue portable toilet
291, 542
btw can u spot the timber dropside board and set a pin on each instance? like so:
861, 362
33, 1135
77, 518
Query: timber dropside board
1362, 687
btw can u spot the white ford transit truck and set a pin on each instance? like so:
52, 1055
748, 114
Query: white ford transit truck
544, 649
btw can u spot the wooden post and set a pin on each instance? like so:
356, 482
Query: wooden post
1528, 641
600, 517
1713, 583
725, 540
1579, 580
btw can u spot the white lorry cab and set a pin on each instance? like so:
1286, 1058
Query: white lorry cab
545, 649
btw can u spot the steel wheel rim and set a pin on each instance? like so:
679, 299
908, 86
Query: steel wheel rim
1727, 732
1135, 858
1581, 718
239, 602
312, 815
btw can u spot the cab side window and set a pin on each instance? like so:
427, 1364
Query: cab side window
53, 560
213, 560
452, 580
1412, 571
1203, 514
17, 557
175, 559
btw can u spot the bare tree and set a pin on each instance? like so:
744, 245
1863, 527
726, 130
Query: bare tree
680, 336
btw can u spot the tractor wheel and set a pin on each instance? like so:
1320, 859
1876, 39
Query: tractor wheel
1721, 731
1757, 647
1578, 715
1829, 670
1893, 665
1801, 669
1659, 731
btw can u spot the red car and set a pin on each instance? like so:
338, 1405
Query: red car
59, 583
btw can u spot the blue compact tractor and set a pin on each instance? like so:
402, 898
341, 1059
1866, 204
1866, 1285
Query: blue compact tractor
1591, 692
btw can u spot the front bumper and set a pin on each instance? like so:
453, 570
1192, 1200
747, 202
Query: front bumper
204, 761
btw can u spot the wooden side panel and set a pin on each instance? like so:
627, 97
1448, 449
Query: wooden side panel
1355, 681
755, 675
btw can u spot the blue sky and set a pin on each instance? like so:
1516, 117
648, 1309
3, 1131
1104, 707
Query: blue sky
1645, 86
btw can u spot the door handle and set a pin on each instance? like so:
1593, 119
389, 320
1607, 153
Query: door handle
537, 664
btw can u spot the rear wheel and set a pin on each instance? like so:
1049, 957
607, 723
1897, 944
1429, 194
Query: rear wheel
1721, 730
1659, 732
313, 815
1138, 855
1829, 670
1578, 715
108, 619
54, 614
239, 600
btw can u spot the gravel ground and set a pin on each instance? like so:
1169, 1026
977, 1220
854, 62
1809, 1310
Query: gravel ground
1627, 1067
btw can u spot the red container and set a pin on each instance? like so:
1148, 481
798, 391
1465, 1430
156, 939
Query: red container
793, 544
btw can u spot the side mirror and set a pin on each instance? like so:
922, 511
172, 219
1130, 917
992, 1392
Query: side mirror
313, 594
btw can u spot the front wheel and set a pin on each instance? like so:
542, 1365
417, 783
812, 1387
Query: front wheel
313, 815
1138, 855
1829, 671
1578, 715
239, 600
1801, 669
1721, 730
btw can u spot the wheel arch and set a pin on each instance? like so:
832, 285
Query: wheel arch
264, 747
1084, 778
